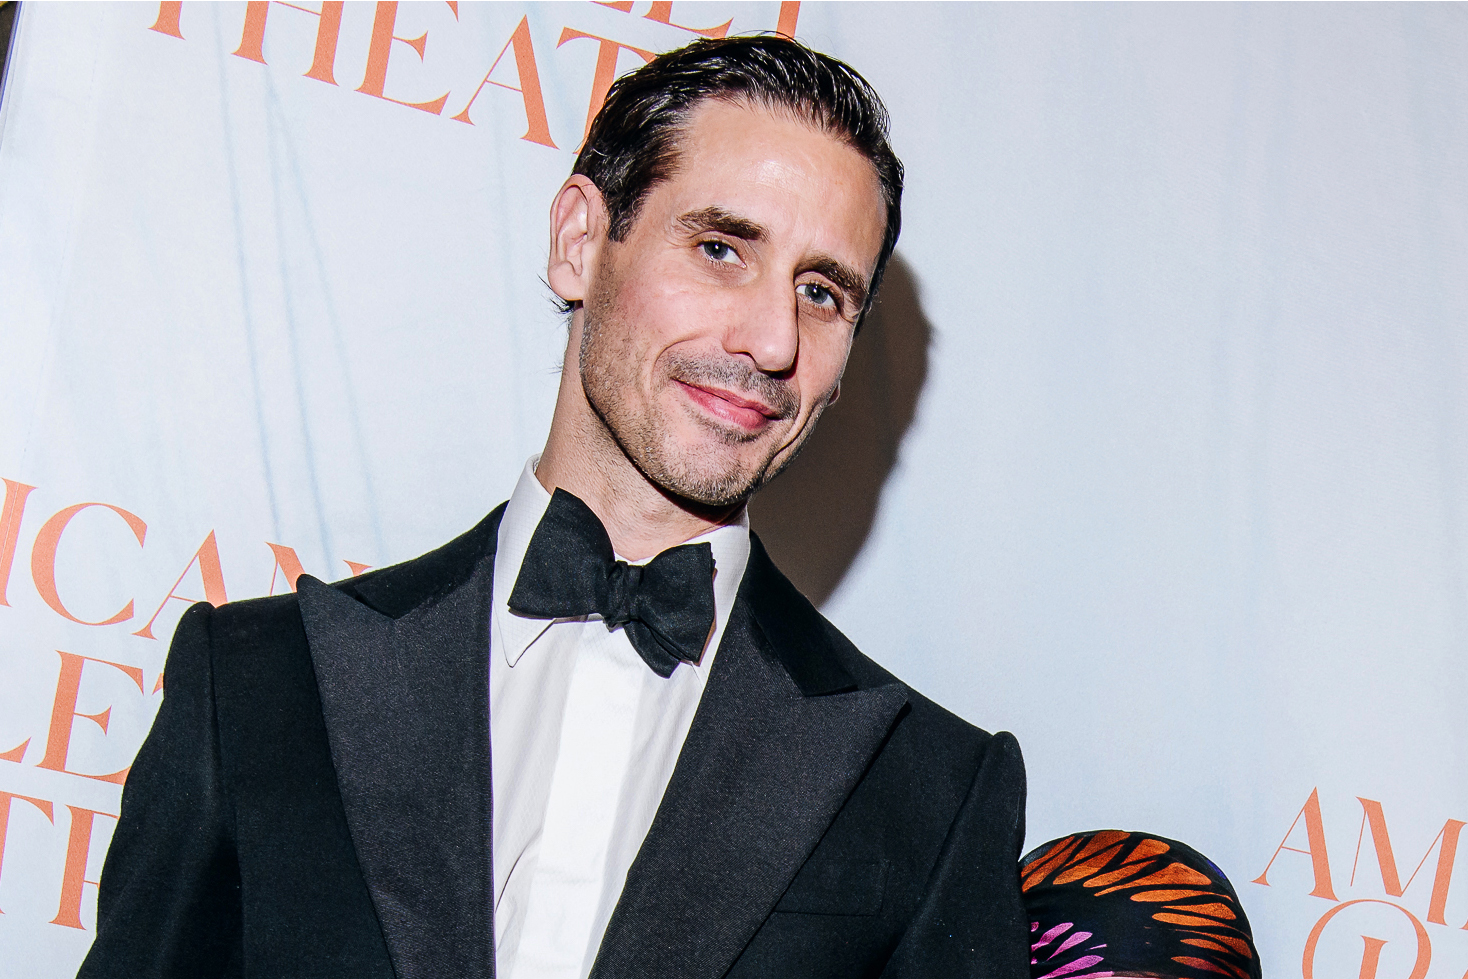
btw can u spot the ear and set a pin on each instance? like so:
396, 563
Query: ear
835, 394
578, 225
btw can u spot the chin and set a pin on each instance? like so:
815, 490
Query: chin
716, 488
707, 476
693, 459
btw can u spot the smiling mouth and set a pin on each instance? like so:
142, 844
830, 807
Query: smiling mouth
746, 413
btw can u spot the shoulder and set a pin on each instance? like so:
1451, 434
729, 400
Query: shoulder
924, 713
934, 765
244, 637
391, 590
207, 638
256, 621
821, 660
937, 783
927, 738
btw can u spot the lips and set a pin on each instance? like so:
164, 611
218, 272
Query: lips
745, 412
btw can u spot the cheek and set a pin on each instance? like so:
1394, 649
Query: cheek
651, 312
825, 362
671, 298
818, 376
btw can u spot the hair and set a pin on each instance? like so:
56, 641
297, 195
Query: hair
633, 141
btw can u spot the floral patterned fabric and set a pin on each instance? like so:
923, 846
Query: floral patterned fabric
1112, 903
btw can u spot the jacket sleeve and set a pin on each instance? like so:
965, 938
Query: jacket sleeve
168, 905
971, 921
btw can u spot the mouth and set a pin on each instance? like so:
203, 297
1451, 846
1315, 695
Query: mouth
749, 414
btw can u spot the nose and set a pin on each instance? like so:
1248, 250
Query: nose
765, 326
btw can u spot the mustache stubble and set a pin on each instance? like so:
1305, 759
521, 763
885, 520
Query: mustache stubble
738, 377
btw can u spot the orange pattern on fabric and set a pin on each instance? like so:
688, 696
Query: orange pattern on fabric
1237, 944
1101, 861
1159, 896
1037, 869
1147, 849
1121, 873
1102, 841
1215, 909
1174, 873
1182, 919
1053, 856
1087, 868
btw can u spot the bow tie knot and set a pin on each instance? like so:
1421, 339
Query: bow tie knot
621, 604
666, 606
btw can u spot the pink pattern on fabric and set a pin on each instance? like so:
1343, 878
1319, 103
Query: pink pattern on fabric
1084, 962
1073, 940
1052, 934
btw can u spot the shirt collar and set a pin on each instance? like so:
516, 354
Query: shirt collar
516, 633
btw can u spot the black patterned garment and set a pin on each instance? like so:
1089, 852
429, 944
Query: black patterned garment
1112, 903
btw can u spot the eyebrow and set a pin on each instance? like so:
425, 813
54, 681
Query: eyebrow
715, 218
852, 282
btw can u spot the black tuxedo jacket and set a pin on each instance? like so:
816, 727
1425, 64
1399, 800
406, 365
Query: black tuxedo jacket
314, 801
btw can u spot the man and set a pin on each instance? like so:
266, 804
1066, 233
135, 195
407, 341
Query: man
693, 774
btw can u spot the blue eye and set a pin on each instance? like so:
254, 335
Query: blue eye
719, 251
816, 293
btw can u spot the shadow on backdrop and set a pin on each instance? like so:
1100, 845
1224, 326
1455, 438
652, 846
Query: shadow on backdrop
816, 516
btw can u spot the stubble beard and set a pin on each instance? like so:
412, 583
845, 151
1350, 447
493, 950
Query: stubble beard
702, 475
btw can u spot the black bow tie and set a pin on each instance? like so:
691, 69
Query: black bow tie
570, 570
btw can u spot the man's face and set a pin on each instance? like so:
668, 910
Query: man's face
715, 334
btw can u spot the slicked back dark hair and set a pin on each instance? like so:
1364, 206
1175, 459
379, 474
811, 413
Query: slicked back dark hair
633, 143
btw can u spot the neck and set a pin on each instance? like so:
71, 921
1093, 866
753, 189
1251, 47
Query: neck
582, 458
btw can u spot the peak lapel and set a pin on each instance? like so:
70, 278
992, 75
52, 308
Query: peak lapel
761, 776
406, 704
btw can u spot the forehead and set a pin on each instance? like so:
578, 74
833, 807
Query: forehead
811, 190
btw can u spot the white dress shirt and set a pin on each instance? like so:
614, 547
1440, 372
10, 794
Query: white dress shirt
584, 737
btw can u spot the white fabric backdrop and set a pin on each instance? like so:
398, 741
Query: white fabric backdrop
1163, 424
